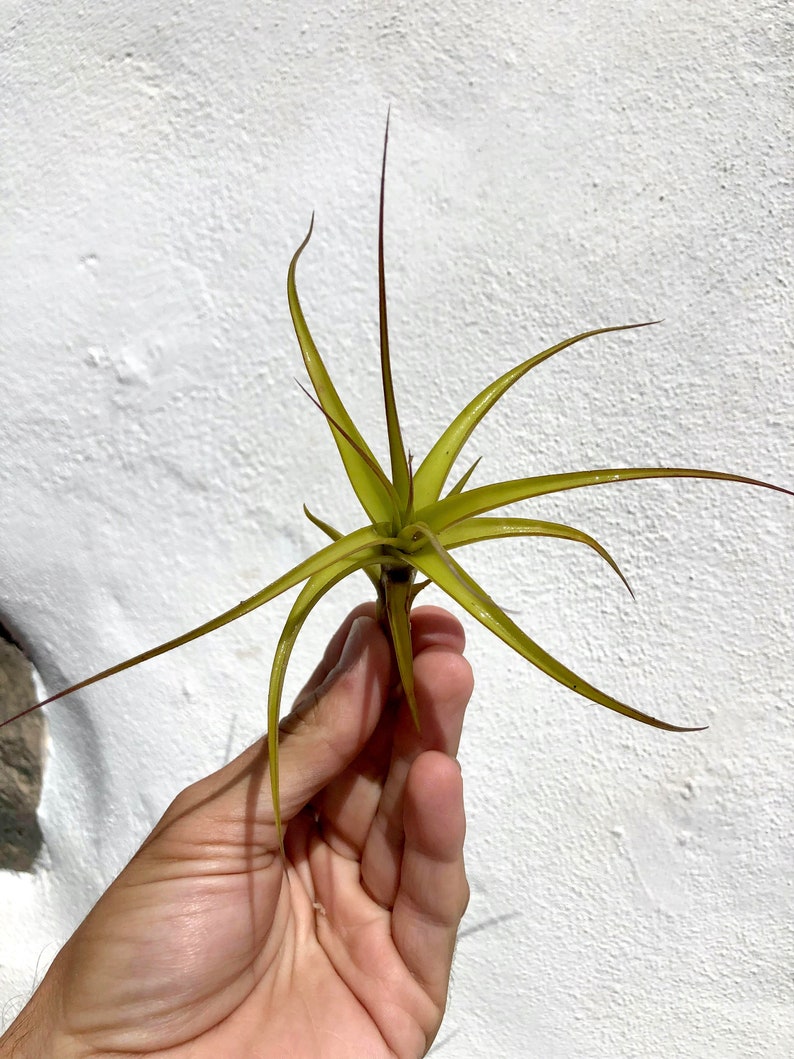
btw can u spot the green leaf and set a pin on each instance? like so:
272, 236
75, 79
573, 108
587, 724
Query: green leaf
309, 596
327, 529
431, 475
398, 596
423, 532
484, 529
401, 477
367, 539
367, 485
453, 509
372, 572
465, 591
367, 457
463, 481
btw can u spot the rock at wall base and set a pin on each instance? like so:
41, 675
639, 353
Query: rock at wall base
21, 763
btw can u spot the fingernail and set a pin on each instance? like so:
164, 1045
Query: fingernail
351, 652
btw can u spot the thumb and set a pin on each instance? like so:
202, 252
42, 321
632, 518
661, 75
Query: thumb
327, 728
330, 724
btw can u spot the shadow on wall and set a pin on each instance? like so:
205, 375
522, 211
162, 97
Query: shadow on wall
21, 759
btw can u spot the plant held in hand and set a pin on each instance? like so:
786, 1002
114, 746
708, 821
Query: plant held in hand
414, 526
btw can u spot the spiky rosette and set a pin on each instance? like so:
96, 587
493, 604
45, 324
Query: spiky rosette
413, 526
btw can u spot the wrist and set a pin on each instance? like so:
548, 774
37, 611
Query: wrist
37, 1032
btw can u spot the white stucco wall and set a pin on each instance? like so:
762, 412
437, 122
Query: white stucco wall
553, 167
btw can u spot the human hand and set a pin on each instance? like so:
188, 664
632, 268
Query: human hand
209, 944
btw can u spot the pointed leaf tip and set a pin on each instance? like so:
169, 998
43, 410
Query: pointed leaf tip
433, 471
357, 457
401, 474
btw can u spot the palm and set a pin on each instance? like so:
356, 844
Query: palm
210, 944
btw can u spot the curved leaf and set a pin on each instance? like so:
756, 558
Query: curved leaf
429, 479
327, 529
454, 509
372, 572
367, 457
485, 529
309, 596
465, 591
364, 539
366, 485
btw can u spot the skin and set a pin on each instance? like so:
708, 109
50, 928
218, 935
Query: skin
210, 944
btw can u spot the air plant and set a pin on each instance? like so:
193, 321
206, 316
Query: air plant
413, 526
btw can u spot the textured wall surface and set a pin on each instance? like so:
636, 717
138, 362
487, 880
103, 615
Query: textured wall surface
553, 167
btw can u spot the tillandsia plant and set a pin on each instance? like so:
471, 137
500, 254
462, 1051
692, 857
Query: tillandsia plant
413, 526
